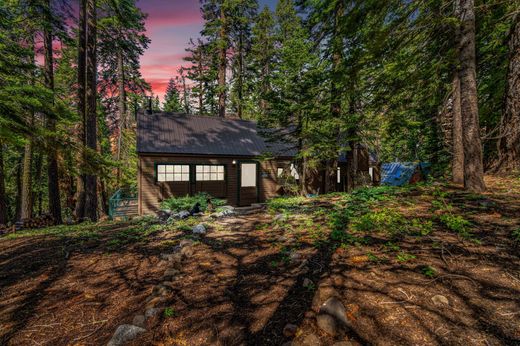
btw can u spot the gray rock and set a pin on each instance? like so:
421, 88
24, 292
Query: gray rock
280, 218
125, 333
335, 308
199, 229
178, 216
307, 283
139, 320
295, 257
187, 252
327, 323
186, 242
289, 330
440, 300
151, 312
308, 340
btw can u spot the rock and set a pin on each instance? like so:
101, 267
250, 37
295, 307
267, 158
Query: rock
178, 216
295, 257
125, 333
280, 218
335, 308
151, 312
290, 330
160, 290
174, 259
223, 213
185, 242
164, 215
307, 283
440, 300
187, 252
323, 293
139, 320
307, 340
199, 229
327, 323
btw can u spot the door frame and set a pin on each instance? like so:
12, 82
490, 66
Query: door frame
239, 179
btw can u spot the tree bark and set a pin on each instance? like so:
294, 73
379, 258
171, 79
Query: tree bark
473, 165
26, 197
240, 80
509, 142
122, 110
87, 185
3, 199
222, 64
80, 181
91, 201
457, 165
52, 156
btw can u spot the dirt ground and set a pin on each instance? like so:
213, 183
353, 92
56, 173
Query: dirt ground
250, 276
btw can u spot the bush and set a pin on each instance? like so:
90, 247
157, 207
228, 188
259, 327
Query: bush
285, 203
456, 223
177, 204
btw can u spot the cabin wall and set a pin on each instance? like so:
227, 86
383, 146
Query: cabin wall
152, 192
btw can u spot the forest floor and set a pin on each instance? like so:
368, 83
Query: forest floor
420, 265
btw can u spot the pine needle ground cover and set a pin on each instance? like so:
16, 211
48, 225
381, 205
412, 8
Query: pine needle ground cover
427, 264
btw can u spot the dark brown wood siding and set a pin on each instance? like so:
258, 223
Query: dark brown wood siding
152, 192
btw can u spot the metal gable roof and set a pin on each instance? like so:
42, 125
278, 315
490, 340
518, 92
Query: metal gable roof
173, 133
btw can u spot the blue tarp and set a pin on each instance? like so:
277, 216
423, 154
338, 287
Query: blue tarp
400, 173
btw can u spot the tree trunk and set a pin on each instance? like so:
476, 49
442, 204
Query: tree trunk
91, 201
18, 201
3, 199
80, 181
240, 81
457, 165
87, 185
509, 142
473, 166
26, 197
201, 83
122, 110
222, 64
52, 156
37, 192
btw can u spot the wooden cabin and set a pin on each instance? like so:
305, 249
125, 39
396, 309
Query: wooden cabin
181, 155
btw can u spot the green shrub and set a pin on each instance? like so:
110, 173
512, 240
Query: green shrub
387, 221
516, 235
429, 271
404, 257
456, 223
286, 203
177, 204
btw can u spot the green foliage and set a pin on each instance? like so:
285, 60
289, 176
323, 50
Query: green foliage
177, 204
172, 101
169, 312
456, 223
429, 272
404, 257
516, 235
286, 203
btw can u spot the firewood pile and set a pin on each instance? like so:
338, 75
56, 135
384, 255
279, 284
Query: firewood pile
4, 229
37, 222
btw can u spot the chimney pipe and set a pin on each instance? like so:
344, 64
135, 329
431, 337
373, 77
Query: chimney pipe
149, 109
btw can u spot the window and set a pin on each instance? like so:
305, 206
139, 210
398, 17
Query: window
248, 174
279, 172
173, 173
209, 172
294, 172
291, 170
339, 175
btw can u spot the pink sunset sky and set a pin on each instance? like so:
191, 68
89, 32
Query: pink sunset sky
170, 25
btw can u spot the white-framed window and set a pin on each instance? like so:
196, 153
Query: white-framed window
339, 175
173, 173
209, 172
248, 174
294, 172
279, 172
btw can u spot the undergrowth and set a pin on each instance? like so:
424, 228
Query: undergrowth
177, 204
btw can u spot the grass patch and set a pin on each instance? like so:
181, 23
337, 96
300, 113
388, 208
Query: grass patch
456, 223
280, 204
429, 272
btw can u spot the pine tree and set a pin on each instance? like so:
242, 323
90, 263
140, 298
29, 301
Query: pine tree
172, 102
473, 160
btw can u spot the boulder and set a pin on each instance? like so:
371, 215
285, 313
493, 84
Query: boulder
187, 252
199, 229
440, 300
335, 308
289, 330
125, 333
179, 216
151, 312
328, 324
139, 320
